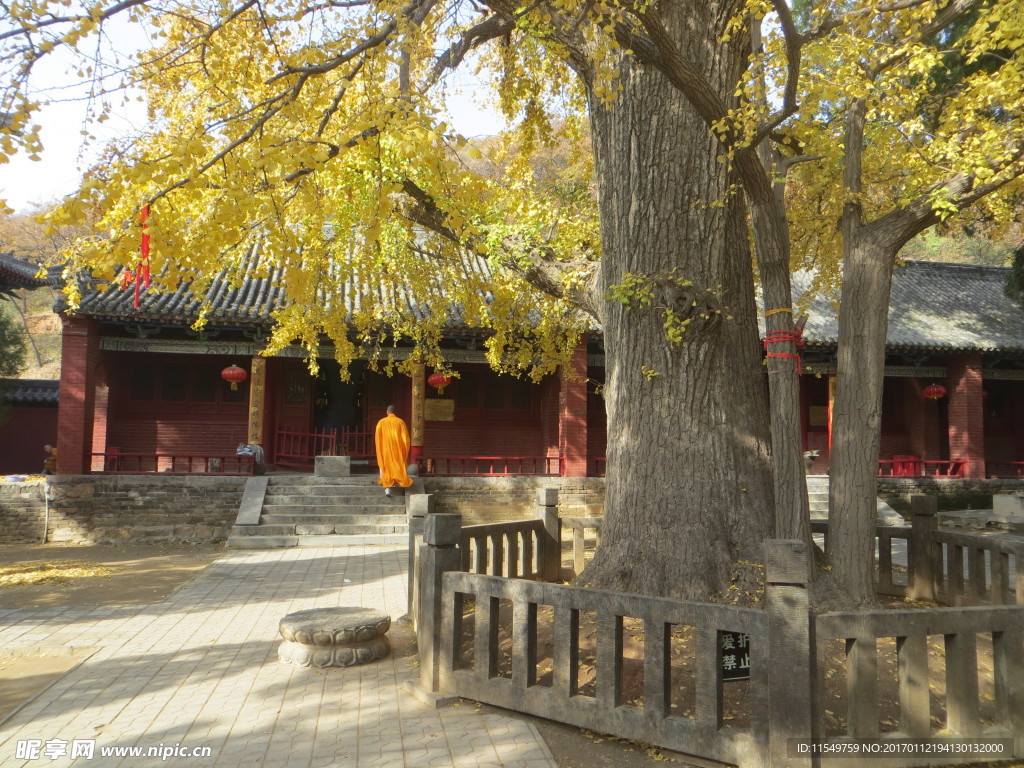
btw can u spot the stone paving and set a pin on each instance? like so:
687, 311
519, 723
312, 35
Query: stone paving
200, 669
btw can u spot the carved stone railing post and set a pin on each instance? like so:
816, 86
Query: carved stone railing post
789, 651
550, 549
924, 551
438, 553
417, 508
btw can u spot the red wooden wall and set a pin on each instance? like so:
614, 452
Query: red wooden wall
22, 437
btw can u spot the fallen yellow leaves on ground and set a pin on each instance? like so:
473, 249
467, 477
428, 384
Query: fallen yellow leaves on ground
54, 572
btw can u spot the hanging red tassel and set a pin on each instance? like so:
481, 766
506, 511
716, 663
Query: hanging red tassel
141, 274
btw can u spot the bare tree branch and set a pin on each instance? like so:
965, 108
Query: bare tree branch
490, 28
537, 264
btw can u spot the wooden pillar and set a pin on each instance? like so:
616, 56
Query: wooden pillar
79, 357
416, 428
572, 414
257, 399
101, 409
966, 414
831, 408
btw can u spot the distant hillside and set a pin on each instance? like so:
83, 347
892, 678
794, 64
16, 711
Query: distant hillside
963, 248
43, 326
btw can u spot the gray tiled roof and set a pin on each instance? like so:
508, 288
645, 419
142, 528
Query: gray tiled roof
30, 391
250, 301
937, 307
15, 273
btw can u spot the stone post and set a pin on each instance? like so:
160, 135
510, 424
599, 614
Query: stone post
550, 554
438, 553
418, 506
789, 651
924, 552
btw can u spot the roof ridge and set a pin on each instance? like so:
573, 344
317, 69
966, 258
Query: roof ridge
942, 265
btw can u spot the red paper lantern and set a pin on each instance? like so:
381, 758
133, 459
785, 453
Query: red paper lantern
234, 374
934, 391
439, 380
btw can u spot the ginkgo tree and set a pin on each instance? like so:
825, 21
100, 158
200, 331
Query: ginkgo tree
924, 118
314, 130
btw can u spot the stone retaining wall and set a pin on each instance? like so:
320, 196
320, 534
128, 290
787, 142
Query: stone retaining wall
22, 512
951, 492
496, 499
111, 509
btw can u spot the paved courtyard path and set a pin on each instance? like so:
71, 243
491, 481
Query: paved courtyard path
200, 670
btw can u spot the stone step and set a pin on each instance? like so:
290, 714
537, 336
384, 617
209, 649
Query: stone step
332, 509
349, 481
355, 540
314, 519
334, 498
263, 530
307, 529
327, 492
278, 542
262, 542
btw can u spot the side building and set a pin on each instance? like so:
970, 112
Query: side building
141, 391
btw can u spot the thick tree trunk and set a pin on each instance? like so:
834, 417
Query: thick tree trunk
771, 235
857, 414
689, 483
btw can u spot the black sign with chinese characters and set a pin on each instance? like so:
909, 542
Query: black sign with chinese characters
734, 655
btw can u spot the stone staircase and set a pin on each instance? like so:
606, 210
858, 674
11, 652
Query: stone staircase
318, 511
817, 496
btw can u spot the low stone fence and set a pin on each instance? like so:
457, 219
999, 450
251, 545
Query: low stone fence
114, 509
498, 499
952, 568
586, 537
559, 652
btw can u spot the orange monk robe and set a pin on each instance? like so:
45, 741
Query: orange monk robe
392, 440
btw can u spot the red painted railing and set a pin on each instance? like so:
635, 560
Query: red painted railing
118, 463
293, 448
356, 444
912, 466
492, 466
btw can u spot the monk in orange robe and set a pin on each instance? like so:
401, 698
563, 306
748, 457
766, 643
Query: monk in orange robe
392, 440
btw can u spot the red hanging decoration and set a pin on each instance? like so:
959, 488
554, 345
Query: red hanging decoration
439, 380
934, 391
140, 276
234, 374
